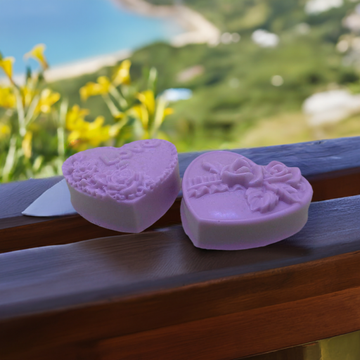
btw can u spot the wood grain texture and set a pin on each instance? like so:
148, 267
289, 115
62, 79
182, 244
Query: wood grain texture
92, 351
311, 351
153, 295
157, 328
228, 336
63, 230
316, 159
23, 232
337, 159
336, 187
146, 286
16, 197
164, 259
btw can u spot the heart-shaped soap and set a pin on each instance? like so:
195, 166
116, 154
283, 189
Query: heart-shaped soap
125, 189
231, 203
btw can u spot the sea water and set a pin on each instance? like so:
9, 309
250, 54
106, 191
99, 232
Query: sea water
75, 29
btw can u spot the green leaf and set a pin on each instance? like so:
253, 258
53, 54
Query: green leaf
28, 73
152, 79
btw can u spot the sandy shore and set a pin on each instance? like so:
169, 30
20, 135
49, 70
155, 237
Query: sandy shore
199, 30
74, 69
86, 66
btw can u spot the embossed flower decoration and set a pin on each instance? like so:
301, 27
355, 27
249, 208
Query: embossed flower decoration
120, 177
242, 172
124, 184
261, 199
82, 170
276, 172
284, 181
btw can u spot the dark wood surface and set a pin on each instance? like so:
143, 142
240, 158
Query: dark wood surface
316, 160
105, 295
127, 265
332, 167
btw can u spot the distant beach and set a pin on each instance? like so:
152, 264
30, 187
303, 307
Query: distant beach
198, 30
195, 29
86, 66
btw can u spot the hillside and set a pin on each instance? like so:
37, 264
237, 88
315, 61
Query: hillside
232, 82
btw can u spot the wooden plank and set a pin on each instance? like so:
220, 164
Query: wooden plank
17, 196
19, 232
92, 351
230, 336
120, 262
336, 187
311, 351
65, 230
63, 352
316, 160
99, 298
22, 232
122, 285
159, 328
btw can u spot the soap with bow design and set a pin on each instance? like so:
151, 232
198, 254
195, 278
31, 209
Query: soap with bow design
231, 203
125, 189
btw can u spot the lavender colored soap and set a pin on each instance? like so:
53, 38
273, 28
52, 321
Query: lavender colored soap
231, 203
124, 189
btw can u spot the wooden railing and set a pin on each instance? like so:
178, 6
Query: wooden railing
98, 294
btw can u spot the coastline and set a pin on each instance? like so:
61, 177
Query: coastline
75, 68
198, 30
85, 66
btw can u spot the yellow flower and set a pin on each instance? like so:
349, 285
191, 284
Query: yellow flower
97, 133
6, 65
84, 133
26, 144
27, 95
140, 112
93, 89
47, 99
75, 117
90, 89
4, 131
150, 112
7, 98
147, 98
37, 53
104, 83
168, 111
122, 73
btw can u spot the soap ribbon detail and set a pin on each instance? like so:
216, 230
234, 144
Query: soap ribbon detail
264, 186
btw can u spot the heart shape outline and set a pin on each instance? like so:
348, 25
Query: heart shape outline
231, 203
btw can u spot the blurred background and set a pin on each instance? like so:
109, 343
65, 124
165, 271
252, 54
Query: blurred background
203, 74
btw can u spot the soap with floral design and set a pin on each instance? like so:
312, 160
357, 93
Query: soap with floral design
125, 189
231, 203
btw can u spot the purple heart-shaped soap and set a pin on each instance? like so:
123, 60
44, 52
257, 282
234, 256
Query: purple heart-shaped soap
125, 189
231, 203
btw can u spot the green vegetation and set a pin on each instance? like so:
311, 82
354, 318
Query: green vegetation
41, 130
232, 90
235, 101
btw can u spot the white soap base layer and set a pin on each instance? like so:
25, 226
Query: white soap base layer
131, 216
235, 235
